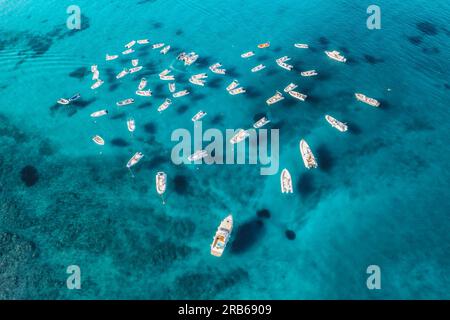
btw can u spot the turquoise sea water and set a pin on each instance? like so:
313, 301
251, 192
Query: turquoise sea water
379, 197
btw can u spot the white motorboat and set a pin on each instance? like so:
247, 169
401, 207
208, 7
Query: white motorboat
301, 46
308, 158
335, 55
259, 67
165, 105
309, 73
131, 125
128, 51
98, 140
161, 182
198, 155
233, 85
237, 91
99, 113
180, 94
122, 74
165, 50
275, 98
158, 45
336, 123
298, 95
135, 159
261, 123
63, 101
135, 69
111, 57
130, 44
222, 236
172, 87
125, 102
286, 182
97, 84
216, 68
370, 101
290, 87
198, 82
144, 93
143, 41
142, 84
247, 54
199, 115
241, 135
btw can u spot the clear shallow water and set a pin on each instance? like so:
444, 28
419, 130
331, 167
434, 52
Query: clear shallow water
380, 195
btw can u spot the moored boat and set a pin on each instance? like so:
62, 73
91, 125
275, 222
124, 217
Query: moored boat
128, 51
135, 62
335, 55
286, 182
180, 94
172, 87
259, 67
198, 155
130, 44
264, 45
237, 91
144, 93
158, 45
286, 66
165, 105
275, 98
198, 82
301, 46
336, 123
216, 68
95, 75
122, 74
233, 85
222, 236
142, 84
131, 125
188, 58
309, 73
143, 41
161, 182
125, 102
308, 158
98, 140
135, 159
99, 113
370, 101
298, 95
290, 87
247, 54
165, 72
199, 115
165, 50
97, 84
135, 69
111, 57
241, 135
63, 101
261, 122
